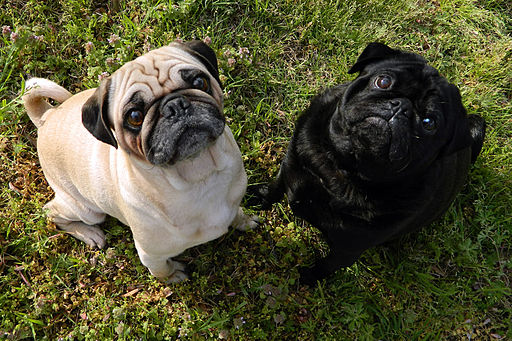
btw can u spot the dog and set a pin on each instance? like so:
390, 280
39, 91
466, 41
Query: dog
377, 157
149, 147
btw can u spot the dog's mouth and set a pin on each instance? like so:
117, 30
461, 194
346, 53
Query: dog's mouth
184, 129
382, 144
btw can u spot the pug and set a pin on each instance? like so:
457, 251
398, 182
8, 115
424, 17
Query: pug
377, 157
149, 147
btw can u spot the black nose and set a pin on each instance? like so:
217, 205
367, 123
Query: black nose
172, 106
401, 106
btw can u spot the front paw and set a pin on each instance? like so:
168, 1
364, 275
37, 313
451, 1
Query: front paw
256, 196
178, 272
244, 222
251, 223
176, 277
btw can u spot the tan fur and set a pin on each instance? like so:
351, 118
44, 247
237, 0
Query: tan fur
34, 98
168, 208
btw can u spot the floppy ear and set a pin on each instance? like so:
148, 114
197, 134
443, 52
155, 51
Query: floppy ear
206, 55
477, 131
95, 114
460, 132
372, 53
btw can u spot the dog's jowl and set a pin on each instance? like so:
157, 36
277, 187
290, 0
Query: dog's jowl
149, 147
377, 157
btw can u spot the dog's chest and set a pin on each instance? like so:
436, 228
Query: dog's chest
195, 200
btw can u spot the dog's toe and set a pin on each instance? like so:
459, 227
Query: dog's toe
177, 272
243, 222
176, 277
96, 239
250, 223
92, 235
254, 222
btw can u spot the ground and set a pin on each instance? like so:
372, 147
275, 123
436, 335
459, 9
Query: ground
449, 281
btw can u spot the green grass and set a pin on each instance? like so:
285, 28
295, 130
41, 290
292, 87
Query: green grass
450, 281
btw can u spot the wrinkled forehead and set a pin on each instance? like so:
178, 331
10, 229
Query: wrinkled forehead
156, 74
404, 65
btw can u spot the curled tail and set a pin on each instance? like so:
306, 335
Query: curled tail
34, 99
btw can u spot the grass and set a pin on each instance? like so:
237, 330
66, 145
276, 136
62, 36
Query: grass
450, 281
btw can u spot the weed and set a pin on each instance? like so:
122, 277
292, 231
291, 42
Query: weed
449, 281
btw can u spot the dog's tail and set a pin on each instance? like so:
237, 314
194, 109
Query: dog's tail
34, 99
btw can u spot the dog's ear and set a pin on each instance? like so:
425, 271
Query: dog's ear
460, 134
372, 53
477, 131
95, 114
205, 54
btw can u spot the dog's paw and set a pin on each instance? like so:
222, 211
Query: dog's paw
92, 235
178, 273
96, 239
243, 222
256, 196
176, 277
251, 223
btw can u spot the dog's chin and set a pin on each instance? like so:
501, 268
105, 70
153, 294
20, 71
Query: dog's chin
372, 171
381, 147
191, 144
170, 150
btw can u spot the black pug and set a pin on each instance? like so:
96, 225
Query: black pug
377, 157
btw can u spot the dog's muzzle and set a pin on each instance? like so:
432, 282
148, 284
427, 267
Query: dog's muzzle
384, 137
184, 128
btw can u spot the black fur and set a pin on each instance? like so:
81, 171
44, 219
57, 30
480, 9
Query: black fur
205, 54
364, 164
95, 114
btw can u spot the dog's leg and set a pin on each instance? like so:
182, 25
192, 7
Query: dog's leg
326, 266
265, 195
68, 222
162, 267
243, 222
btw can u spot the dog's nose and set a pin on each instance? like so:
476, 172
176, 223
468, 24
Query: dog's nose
395, 103
174, 106
401, 106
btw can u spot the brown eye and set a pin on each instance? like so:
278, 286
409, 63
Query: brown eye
135, 118
383, 82
201, 83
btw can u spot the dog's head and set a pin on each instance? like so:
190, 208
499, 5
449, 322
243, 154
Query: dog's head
164, 106
398, 115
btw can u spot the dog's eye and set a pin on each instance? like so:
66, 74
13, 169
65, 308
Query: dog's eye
201, 83
429, 124
135, 118
383, 82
